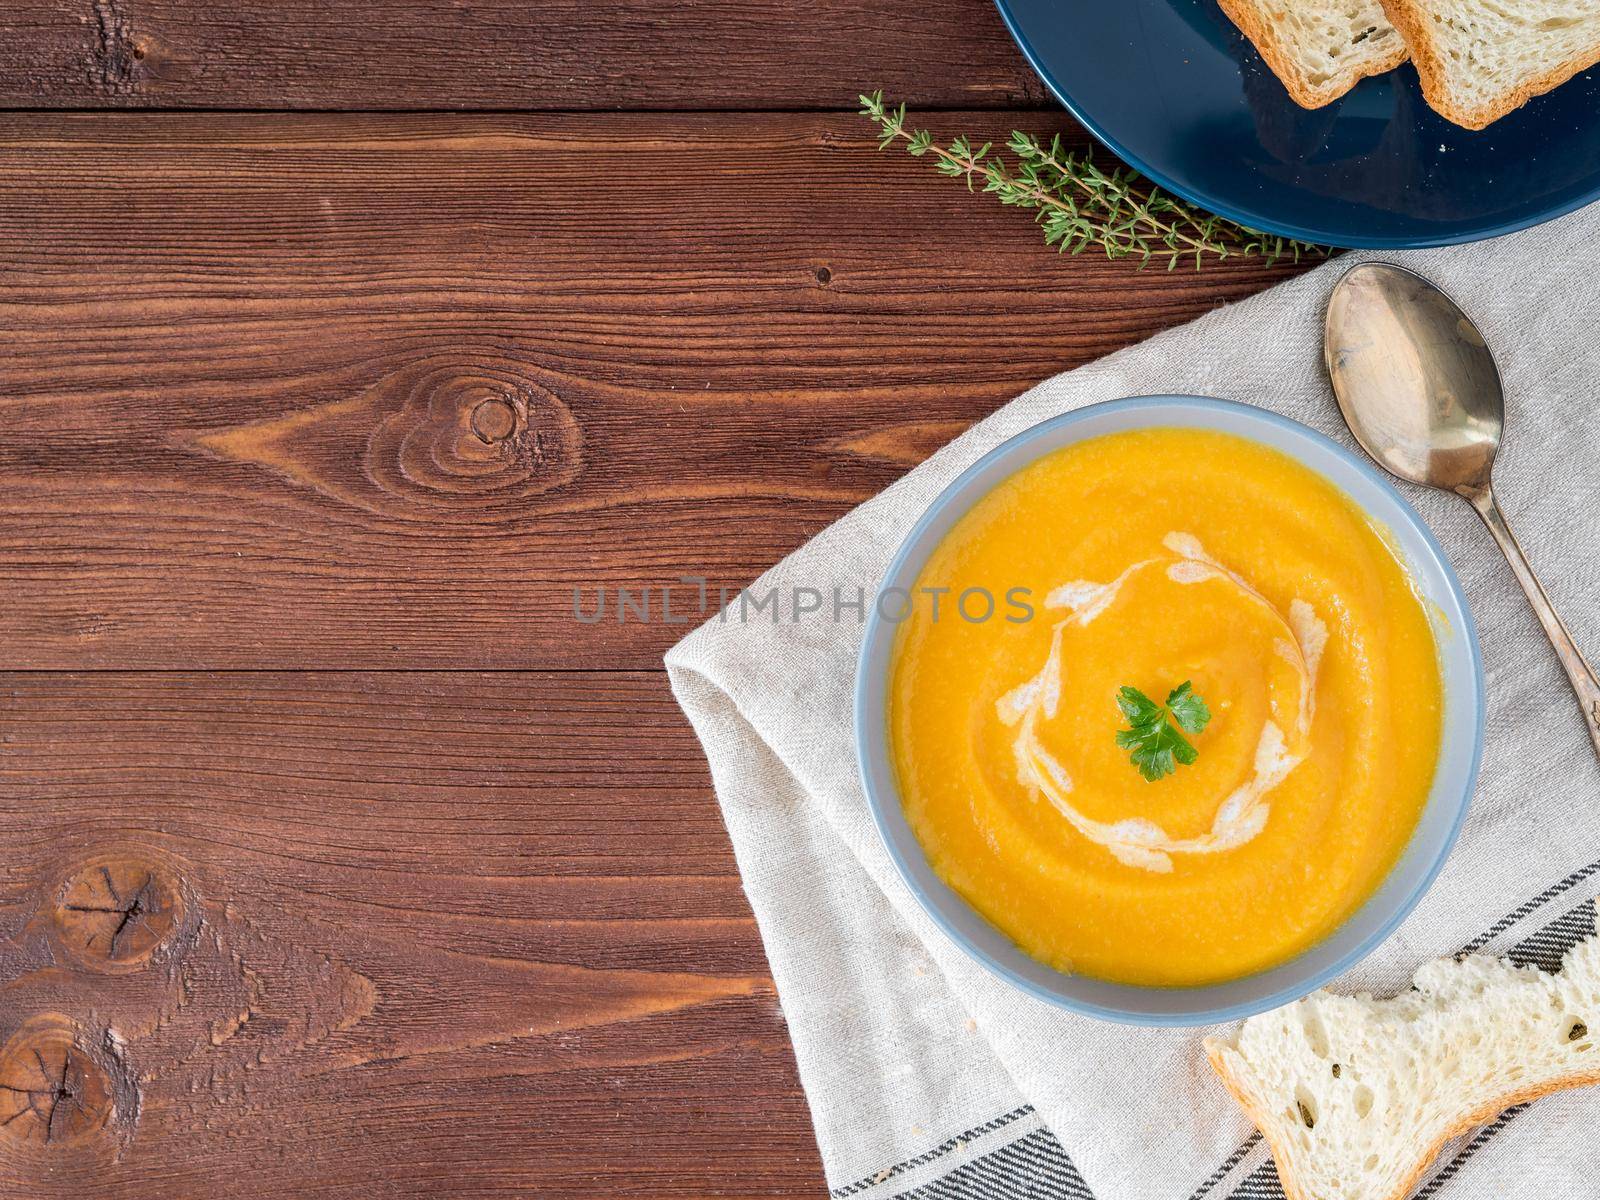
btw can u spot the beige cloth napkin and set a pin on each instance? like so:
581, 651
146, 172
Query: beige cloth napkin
927, 1077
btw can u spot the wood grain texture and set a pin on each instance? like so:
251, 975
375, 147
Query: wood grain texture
273, 935
381, 391
384, 391
506, 54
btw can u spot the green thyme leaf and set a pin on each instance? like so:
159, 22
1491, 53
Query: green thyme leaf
1155, 731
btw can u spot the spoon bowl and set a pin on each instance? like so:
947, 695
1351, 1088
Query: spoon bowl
1415, 381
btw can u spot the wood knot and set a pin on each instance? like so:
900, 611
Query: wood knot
117, 912
115, 54
461, 435
494, 420
55, 1088
439, 439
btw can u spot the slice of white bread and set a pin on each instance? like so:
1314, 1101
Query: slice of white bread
1356, 1096
1320, 49
1479, 59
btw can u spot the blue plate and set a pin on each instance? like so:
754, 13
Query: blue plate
1172, 88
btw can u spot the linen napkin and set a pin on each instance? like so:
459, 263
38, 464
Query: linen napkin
928, 1078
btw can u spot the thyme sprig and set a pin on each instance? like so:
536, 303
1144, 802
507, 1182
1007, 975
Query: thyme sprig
1078, 204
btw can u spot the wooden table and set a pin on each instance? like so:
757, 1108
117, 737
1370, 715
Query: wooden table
340, 342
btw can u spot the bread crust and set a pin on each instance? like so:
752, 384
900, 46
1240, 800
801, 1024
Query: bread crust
1468, 1121
1408, 17
1248, 17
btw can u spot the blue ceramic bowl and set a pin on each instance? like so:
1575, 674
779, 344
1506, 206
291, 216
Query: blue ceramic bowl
1419, 863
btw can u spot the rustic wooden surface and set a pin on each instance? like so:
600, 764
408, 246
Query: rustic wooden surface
336, 858
506, 54
260, 370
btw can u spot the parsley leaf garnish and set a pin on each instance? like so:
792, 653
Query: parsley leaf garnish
1156, 731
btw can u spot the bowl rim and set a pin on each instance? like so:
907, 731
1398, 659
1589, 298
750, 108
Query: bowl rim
878, 629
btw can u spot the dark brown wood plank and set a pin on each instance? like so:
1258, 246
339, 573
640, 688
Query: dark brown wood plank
377, 934
385, 391
505, 54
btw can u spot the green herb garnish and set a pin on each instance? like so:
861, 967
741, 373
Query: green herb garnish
1156, 737
1079, 204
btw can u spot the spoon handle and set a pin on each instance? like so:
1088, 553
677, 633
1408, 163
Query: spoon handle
1579, 673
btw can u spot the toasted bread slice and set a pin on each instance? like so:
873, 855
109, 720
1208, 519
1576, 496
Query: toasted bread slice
1356, 1096
1320, 49
1479, 59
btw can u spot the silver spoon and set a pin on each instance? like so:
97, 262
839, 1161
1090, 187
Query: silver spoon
1420, 391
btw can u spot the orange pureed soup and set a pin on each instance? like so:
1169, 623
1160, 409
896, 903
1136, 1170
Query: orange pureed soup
1148, 559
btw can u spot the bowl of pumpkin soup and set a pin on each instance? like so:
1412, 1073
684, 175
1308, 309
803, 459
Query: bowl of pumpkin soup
1169, 710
